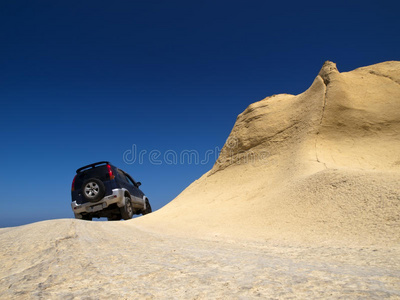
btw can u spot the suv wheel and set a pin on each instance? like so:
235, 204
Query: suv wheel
148, 208
127, 209
93, 189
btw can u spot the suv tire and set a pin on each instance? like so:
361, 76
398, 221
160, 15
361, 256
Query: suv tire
148, 208
127, 209
93, 190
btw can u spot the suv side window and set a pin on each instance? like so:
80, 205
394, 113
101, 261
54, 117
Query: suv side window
122, 176
130, 181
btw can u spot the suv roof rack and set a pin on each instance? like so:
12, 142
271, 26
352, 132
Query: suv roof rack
92, 166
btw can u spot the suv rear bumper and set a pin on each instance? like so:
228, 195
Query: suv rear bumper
116, 197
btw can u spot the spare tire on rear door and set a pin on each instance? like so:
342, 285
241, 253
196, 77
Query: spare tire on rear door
93, 190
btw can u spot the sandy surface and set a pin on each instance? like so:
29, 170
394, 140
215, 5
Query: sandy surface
67, 259
303, 203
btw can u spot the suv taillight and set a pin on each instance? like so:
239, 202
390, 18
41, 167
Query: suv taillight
110, 172
73, 185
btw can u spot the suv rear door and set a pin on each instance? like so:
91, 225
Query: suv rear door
99, 172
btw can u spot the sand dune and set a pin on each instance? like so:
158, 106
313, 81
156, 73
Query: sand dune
303, 202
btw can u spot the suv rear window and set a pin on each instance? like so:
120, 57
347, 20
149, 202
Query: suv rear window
100, 172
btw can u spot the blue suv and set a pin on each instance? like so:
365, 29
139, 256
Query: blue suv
103, 190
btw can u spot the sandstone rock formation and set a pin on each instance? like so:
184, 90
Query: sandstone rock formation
321, 165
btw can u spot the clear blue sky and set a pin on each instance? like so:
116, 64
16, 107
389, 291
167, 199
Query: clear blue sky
83, 81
